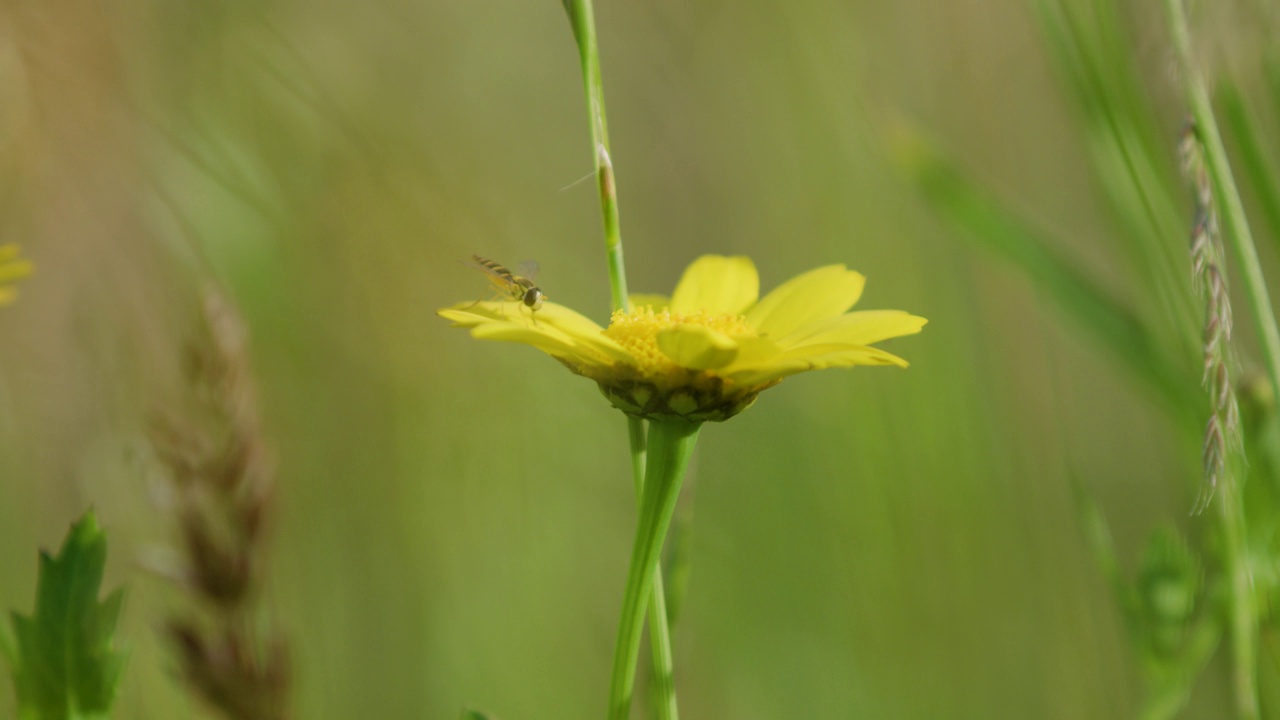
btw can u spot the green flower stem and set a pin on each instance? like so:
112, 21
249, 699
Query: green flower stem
635, 432
670, 444
664, 680
1242, 611
582, 18
664, 688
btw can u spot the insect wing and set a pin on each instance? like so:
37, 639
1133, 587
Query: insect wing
501, 277
529, 269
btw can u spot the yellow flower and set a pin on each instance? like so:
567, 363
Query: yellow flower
708, 350
12, 268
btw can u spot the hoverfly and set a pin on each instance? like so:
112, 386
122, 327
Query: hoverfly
511, 286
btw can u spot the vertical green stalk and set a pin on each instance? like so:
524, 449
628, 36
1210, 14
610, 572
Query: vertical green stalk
1243, 619
1237, 224
670, 444
1242, 611
1257, 170
582, 18
664, 688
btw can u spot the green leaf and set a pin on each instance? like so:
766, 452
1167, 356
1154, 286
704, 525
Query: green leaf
65, 665
476, 715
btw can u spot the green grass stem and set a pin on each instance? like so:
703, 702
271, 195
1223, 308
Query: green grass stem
989, 224
1242, 611
1130, 162
1254, 157
664, 689
1232, 207
670, 444
582, 18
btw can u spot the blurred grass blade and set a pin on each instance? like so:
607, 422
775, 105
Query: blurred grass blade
1169, 693
1253, 157
1271, 74
989, 225
1098, 536
1169, 669
65, 664
1132, 161
476, 715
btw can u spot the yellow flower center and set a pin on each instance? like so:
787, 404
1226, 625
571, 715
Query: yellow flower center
655, 386
638, 330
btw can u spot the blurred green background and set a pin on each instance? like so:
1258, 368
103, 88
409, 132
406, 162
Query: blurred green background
455, 517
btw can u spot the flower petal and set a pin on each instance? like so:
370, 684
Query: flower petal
755, 351
812, 297
551, 343
570, 321
555, 329
12, 266
718, 285
552, 314
14, 269
657, 302
812, 357
473, 314
858, 328
583, 330
697, 347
